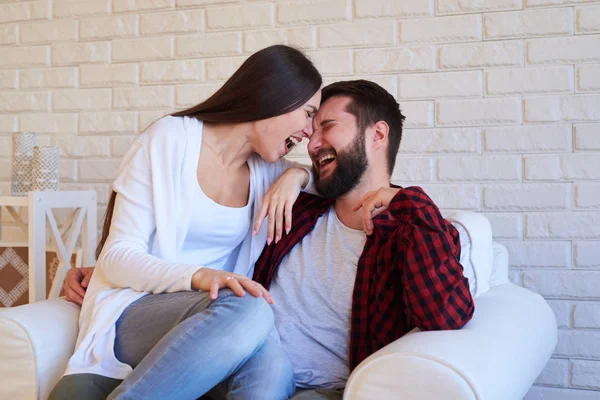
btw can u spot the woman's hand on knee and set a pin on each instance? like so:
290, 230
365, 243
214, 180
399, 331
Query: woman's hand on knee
212, 280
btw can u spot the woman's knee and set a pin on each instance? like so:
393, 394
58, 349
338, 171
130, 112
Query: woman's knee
249, 320
259, 314
248, 308
245, 321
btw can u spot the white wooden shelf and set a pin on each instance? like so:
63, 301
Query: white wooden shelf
82, 223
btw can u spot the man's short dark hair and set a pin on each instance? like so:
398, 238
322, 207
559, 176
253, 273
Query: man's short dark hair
370, 104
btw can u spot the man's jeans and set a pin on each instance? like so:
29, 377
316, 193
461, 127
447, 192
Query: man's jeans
181, 345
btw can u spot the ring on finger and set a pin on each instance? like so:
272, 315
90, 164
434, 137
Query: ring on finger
229, 277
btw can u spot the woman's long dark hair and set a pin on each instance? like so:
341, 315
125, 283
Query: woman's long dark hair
271, 82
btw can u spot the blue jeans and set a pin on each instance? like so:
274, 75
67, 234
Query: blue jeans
267, 375
183, 345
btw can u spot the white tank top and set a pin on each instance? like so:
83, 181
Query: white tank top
215, 232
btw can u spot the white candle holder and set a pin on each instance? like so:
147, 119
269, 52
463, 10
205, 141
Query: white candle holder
45, 171
23, 144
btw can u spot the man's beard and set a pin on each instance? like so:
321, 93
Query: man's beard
351, 165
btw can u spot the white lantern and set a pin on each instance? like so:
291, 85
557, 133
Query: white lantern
22, 162
44, 173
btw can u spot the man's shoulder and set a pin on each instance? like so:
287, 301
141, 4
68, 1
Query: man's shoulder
415, 196
308, 197
413, 205
310, 203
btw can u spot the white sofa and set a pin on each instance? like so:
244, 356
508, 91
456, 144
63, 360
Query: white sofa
497, 355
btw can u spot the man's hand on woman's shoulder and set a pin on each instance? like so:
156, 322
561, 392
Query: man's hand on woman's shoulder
76, 283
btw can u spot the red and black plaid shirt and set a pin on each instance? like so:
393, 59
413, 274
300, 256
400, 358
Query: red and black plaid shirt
408, 275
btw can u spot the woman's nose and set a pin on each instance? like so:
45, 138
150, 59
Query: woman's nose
308, 129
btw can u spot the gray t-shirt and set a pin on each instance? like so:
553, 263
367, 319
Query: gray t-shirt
313, 298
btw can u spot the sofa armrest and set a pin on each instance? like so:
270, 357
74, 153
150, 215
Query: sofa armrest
497, 355
36, 342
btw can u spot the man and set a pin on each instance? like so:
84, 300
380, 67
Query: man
367, 262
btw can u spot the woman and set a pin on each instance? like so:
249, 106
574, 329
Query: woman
181, 228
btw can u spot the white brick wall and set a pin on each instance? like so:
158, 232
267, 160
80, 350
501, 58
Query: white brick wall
588, 77
502, 99
531, 80
556, 373
464, 28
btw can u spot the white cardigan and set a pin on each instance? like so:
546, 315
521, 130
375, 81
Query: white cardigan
149, 225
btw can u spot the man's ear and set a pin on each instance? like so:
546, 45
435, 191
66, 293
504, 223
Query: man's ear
380, 134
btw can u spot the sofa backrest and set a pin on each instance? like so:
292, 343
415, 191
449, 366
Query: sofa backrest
477, 253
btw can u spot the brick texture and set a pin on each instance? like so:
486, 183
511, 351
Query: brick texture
501, 98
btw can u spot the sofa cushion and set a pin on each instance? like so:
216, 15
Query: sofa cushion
465, 258
37, 341
477, 257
